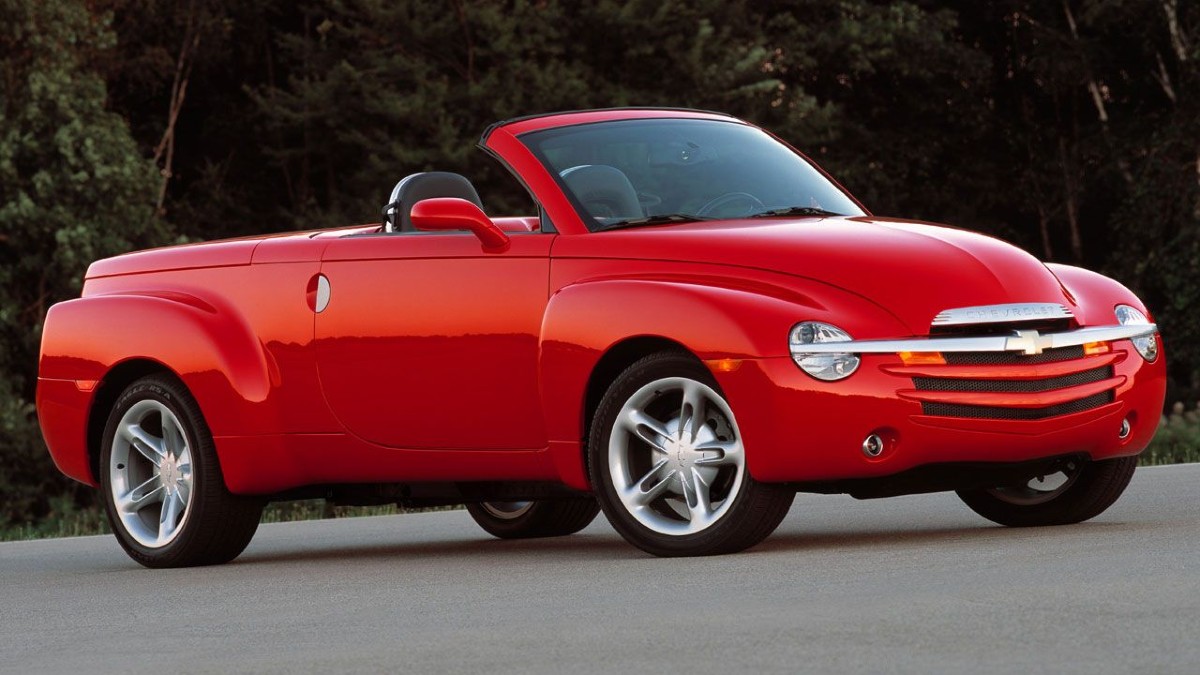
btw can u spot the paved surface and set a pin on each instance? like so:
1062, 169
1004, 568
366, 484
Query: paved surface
914, 584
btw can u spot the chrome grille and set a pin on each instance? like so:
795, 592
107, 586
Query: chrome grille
965, 388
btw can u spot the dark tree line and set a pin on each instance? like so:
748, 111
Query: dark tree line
1069, 127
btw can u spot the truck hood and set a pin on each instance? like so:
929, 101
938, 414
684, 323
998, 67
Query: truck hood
912, 270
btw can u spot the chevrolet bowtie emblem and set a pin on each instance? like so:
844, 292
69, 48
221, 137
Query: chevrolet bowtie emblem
1030, 342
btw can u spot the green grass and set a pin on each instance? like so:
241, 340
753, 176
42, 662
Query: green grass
67, 520
64, 520
1177, 441
319, 509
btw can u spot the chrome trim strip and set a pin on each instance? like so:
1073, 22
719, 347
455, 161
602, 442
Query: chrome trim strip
1025, 341
1007, 313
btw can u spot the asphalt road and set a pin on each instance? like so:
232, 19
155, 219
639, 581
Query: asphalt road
914, 584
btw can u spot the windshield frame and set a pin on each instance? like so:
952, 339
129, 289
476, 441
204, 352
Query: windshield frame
585, 216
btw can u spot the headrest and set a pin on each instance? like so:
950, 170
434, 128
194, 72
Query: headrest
426, 185
604, 190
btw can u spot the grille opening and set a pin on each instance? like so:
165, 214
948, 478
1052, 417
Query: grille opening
997, 413
1036, 385
1014, 386
1012, 358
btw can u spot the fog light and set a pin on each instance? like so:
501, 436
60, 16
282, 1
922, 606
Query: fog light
873, 446
1125, 429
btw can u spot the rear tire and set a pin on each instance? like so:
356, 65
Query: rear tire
161, 481
534, 519
665, 458
1086, 492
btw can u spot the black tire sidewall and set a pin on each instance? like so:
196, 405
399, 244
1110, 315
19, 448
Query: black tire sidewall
545, 518
1098, 486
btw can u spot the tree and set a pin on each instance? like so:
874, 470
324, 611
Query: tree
73, 188
377, 89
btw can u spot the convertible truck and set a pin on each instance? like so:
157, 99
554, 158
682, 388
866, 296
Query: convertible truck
696, 324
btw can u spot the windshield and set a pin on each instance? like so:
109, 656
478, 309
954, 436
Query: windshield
633, 172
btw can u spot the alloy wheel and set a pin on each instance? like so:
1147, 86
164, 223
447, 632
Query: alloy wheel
676, 457
150, 473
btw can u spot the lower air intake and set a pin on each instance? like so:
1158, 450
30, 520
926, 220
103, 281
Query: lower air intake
996, 413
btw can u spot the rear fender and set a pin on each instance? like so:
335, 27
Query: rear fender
209, 347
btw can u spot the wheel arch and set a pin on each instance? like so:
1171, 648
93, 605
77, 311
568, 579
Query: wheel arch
612, 363
593, 330
108, 390
93, 347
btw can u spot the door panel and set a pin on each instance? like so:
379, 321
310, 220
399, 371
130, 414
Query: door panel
427, 342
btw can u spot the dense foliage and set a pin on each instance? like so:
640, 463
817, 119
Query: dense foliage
1069, 127
73, 187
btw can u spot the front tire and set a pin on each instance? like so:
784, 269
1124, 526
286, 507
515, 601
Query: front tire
161, 482
534, 519
1080, 492
665, 458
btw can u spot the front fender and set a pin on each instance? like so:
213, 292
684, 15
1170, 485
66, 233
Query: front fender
713, 319
210, 347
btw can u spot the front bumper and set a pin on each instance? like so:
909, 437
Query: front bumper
797, 429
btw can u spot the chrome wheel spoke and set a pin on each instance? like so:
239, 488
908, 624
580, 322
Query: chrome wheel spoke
651, 486
183, 485
647, 428
700, 509
135, 500
719, 453
183, 465
173, 440
168, 518
691, 413
151, 447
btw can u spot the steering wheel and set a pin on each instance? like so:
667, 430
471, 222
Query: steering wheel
752, 204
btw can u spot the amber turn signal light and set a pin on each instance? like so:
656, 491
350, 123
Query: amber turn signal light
1093, 348
922, 358
724, 365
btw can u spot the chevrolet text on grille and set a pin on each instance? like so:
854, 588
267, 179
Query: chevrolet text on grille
1023, 311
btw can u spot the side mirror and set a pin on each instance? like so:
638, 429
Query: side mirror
451, 213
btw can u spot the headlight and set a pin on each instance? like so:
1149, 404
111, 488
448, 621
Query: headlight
1147, 345
828, 367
